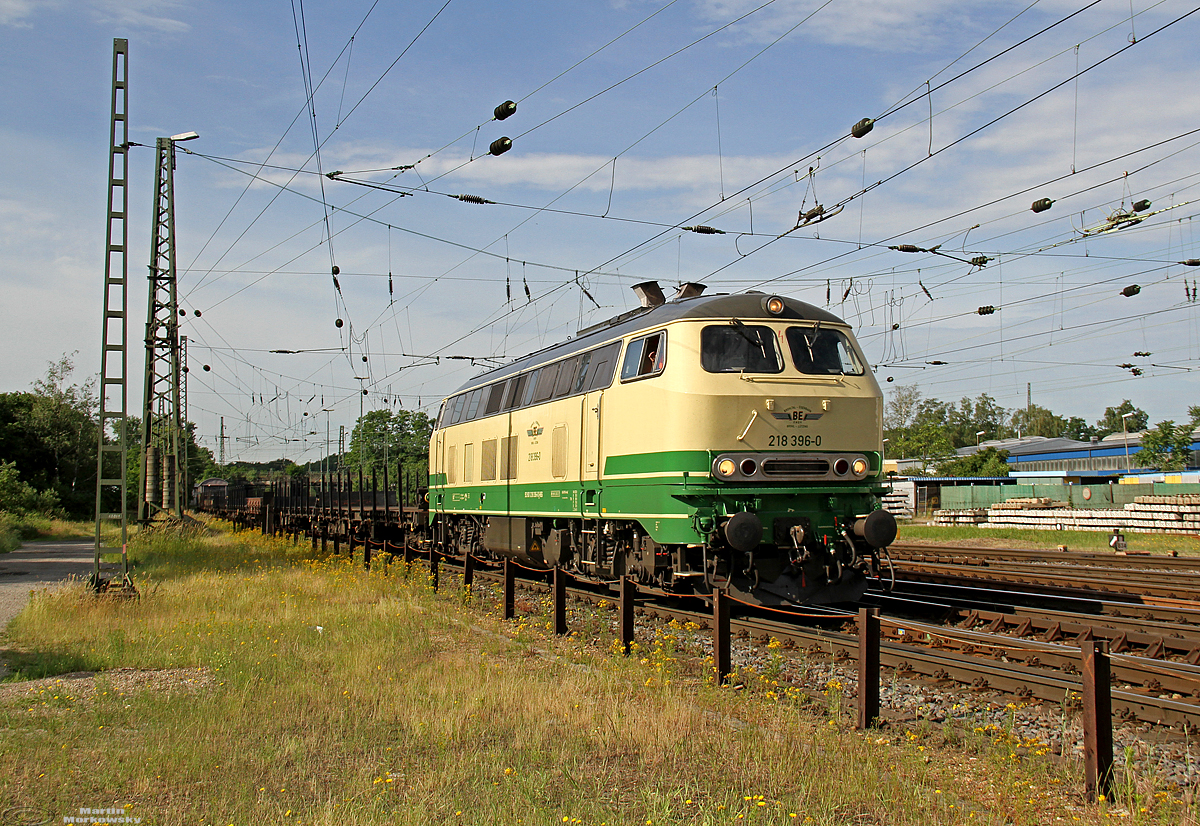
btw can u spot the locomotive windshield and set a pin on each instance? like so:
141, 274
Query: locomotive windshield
739, 348
818, 352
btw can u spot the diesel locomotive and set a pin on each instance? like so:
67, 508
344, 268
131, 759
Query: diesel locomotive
723, 441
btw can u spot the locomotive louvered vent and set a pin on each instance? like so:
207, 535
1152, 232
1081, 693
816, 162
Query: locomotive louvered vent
794, 467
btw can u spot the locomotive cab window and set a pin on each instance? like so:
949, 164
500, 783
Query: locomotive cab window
739, 348
818, 352
645, 357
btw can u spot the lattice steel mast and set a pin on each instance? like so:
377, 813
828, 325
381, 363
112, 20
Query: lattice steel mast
114, 359
162, 413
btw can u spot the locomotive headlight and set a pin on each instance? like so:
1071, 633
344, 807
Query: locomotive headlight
774, 305
840, 467
859, 466
726, 467
748, 467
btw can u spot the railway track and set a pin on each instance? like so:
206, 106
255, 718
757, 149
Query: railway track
1166, 588
1146, 689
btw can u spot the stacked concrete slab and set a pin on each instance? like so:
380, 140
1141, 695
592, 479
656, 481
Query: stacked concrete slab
1146, 514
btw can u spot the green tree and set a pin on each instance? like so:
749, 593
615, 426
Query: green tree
986, 462
915, 426
1110, 422
965, 420
50, 435
399, 437
1169, 446
1037, 421
1078, 429
20, 497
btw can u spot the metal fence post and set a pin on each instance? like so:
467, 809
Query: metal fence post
560, 601
510, 602
1097, 719
434, 569
468, 570
868, 667
628, 590
722, 655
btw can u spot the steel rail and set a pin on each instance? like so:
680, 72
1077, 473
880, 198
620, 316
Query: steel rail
982, 661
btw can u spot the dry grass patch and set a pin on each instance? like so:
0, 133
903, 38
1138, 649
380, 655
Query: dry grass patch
328, 695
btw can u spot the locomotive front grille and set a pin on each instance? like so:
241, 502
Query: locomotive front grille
795, 467
790, 467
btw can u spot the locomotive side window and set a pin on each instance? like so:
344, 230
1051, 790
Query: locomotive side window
604, 364
459, 403
818, 352
516, 392
530, 387
579, 383
545, 383
494, 398
566, 376
645, 357
739, 348
473, 404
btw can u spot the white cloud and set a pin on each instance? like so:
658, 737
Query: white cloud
17, 12
156, 15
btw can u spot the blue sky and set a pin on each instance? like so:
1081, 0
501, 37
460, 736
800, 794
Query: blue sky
658, 151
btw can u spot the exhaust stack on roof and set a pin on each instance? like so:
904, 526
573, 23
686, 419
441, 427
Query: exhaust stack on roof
650, 294
689, 289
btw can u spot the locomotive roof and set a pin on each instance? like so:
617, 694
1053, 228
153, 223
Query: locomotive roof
744, 306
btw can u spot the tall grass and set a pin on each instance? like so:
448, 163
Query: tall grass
1031, 538
280, 687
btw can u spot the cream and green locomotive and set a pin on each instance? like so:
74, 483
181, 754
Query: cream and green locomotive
726, 441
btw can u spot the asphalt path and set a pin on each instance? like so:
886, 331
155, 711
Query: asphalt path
40, 565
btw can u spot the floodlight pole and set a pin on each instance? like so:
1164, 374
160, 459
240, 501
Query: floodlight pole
162, 412
1125, 433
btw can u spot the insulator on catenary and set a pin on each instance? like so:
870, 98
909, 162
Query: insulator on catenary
1141, 354
890, 378
896, 326
864, 126
937, 362
505, 110
196, 313
206, 368
1125, 366
337, 270
338, 323
987, 310
364, 392
364, 358
500, 145
703, 230
183, 312
849, 287
1131, 290
1191, 262
1142, 205
925, 290
1042, 204
1137, 371
906, 248
332, 175
473, 199
980, 261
